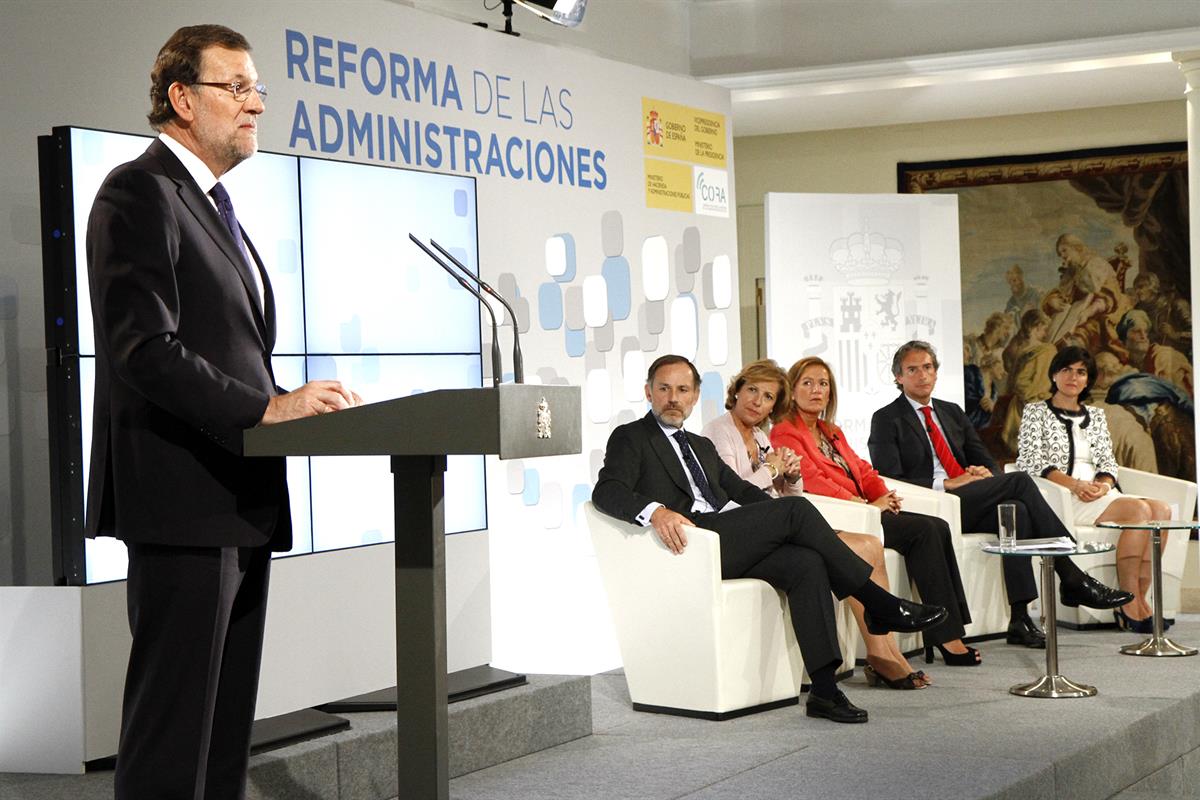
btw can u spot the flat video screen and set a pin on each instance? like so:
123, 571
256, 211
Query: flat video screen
355, 301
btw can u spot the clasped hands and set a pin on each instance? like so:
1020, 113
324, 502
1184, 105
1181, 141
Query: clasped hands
888, 502
314, 397
1090, 490
786, 463
970, 475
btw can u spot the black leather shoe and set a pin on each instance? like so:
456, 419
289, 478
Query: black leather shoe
908, 617
839, 709
1023, 631
1093, 594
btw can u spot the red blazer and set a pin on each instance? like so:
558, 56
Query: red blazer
822, 475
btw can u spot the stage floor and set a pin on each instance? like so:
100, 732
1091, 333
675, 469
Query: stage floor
965, 737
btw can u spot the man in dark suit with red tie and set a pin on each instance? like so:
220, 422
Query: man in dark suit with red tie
930, 442
185, 324
658, 475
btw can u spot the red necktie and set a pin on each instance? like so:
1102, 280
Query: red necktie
953, 470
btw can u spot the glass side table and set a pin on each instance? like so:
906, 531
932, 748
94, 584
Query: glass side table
1157, 644
1051, 684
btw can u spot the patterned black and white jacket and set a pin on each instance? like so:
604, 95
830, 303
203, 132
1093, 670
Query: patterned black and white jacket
1044, 442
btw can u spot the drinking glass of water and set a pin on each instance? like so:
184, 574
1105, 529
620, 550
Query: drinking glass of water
1007, 525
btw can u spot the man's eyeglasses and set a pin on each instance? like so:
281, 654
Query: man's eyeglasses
240, 91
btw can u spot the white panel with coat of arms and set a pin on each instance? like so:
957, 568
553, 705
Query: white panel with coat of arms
850, 278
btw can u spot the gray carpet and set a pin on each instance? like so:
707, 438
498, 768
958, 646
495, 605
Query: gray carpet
965, 737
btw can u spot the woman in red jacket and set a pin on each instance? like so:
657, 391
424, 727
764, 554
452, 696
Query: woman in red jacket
830, 467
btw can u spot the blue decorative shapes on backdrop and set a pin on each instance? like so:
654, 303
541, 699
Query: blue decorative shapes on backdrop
576, 342
580, 494
460, 203
616, 274
550, 306
533, 488
712, 396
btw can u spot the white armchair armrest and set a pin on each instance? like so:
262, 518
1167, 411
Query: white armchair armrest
847, 515
1057, 497
1173, 491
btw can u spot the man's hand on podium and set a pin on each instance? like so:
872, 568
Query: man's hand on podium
314, 397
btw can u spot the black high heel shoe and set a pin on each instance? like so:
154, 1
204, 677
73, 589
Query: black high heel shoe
874, 679
967, 659
1128, 623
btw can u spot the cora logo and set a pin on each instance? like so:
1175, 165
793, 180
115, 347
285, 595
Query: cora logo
712, 192
708, 192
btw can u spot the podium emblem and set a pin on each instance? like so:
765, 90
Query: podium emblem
543, 419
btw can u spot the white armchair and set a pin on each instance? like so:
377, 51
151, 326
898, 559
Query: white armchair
694, 644
1180, 495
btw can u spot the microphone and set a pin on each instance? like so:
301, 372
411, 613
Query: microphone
518, 361
497, 369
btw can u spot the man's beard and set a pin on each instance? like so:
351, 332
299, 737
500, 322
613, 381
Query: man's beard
662, 417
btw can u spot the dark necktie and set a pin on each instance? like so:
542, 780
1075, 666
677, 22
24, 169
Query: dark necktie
697, 471
940, 447
225, 210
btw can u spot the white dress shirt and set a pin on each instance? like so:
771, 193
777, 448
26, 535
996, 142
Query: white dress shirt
204, 178
939, 472
699, 504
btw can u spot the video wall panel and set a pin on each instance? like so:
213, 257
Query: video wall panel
355, 300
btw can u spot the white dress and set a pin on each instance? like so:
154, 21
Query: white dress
1085, 470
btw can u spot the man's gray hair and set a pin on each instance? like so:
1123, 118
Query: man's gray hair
911, 347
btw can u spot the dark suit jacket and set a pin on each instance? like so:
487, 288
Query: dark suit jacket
900, 448
641, 467
183, 366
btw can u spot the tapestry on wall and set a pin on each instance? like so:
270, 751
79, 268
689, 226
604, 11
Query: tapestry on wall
1085, 248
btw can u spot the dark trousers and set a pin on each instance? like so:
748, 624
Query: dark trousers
788, 544
928, 552
1035, 520
197, 616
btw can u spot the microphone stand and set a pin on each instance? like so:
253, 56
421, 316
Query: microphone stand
496, 365
518, 361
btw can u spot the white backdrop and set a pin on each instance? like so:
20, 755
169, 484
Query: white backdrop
594, 301
850, 278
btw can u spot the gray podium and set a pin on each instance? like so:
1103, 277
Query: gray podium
418, 432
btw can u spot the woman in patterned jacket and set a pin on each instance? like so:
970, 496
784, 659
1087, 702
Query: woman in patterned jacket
1067, 442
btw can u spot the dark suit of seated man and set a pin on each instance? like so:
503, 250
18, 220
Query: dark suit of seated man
657, 475
906, 436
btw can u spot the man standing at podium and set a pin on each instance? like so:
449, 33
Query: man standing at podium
658, 475
185, 324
